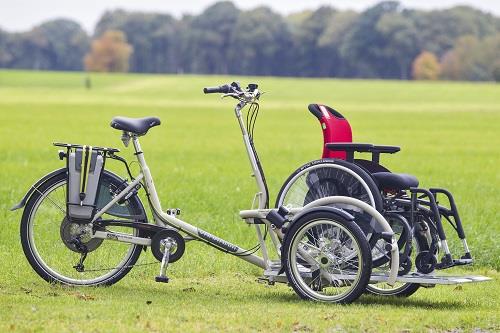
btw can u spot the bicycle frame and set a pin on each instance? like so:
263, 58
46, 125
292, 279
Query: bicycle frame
163, 219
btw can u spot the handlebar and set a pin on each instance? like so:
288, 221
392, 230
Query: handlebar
224, 89
249, 95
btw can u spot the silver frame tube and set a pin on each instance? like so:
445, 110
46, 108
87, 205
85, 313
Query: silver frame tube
161, 218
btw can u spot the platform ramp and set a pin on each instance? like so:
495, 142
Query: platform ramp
431, 279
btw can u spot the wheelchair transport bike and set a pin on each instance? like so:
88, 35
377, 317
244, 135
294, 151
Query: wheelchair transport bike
413, 213
83, 225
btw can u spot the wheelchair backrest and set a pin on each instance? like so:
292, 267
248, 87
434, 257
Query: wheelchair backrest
335, 128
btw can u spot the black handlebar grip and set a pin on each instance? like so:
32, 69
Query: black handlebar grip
224, 89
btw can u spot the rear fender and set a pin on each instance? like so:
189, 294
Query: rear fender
337, 211
35, 186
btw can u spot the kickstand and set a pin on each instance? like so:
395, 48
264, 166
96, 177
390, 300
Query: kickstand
164, 262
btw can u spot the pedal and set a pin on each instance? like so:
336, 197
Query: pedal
174, 211
162, 279
265, 280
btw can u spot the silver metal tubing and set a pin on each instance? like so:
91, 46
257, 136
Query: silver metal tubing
121, 237
444, 246
253, 159
212, 240
466, 247
276, 242
166, 257
150, 186
118, 197
163, 218
263, 246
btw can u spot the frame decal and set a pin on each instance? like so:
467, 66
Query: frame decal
217, 241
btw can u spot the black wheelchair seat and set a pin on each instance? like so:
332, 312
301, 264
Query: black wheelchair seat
395, 181
139, 126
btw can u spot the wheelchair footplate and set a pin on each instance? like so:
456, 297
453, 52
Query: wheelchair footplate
431, 279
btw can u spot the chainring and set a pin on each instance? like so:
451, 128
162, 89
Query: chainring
175, 238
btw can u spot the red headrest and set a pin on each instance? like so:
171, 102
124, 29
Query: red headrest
335, 128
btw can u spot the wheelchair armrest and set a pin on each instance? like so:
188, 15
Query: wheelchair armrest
350, 148
377, 150
386, 149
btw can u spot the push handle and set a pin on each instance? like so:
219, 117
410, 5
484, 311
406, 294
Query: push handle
224, 89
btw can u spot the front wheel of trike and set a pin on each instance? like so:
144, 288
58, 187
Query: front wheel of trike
48, 238
327, 258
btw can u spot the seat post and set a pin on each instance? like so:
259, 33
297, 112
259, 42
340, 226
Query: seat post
137, 147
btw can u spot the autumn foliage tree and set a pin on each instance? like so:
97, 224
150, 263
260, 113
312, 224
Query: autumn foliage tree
109, 53
426, 66
472, 59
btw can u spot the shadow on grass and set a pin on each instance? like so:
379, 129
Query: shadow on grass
411, 302
276, 295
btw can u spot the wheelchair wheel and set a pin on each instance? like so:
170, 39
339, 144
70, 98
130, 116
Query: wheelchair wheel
333, 266
48, 238
419, 244
403, 233
328, 177
332, 177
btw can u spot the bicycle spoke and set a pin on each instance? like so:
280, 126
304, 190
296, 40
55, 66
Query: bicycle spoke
53, 202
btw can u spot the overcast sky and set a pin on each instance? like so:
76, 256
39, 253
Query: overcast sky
20, 15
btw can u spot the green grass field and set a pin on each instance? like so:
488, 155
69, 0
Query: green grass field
449, 134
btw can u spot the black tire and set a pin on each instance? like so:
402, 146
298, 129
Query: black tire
30, 250
356, 235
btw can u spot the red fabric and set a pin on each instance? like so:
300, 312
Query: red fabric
334, 130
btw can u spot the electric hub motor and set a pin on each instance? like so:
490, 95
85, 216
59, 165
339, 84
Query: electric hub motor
78, 237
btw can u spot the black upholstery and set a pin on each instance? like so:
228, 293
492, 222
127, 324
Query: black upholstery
139, 126
385, 149
314, 109
370, 166
395, 181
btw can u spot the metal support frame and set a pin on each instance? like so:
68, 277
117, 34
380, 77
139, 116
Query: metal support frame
162, 218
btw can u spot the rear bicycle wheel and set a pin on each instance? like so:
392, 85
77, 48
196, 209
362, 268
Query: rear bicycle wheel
327, 258
47, 238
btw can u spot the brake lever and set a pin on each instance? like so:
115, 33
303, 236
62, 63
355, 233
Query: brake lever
233, 95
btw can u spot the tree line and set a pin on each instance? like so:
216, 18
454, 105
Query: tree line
383, 41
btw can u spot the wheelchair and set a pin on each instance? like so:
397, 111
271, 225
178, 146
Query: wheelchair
414, 213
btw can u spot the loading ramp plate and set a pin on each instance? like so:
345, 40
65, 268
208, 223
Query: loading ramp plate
431, 278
